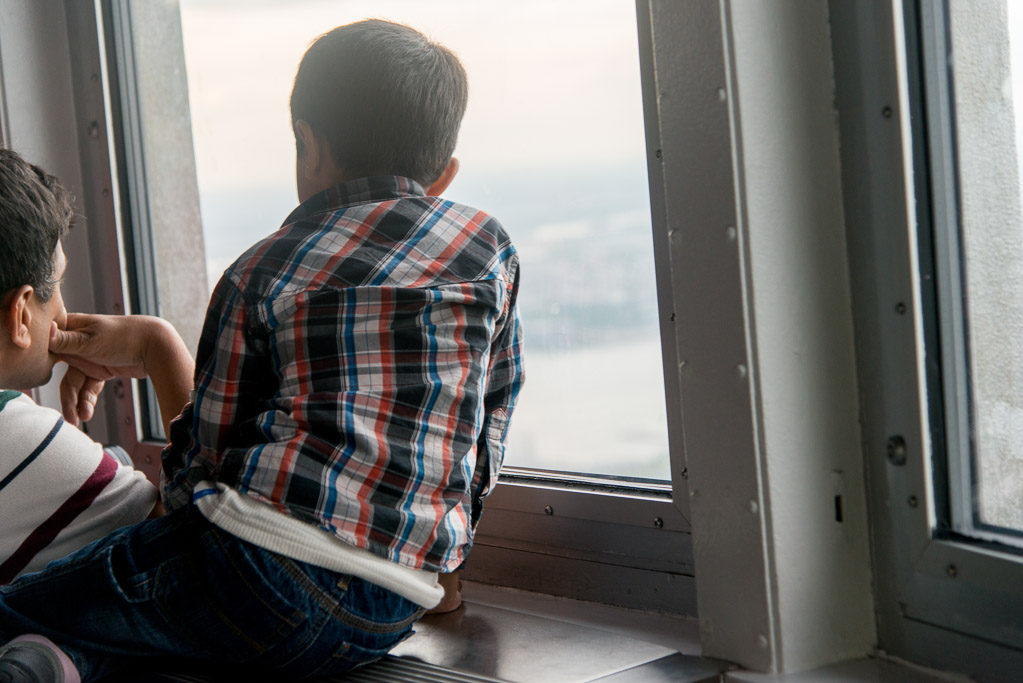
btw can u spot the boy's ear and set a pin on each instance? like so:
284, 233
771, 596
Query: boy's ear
446, 176
17, 316
310, 158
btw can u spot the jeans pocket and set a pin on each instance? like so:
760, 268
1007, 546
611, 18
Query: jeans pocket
132, 585
225, 598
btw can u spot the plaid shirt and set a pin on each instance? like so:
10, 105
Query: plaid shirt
357, 370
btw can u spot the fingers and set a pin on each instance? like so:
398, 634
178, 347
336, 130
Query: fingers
105, 346
87, 398
67, 341
69, 389
89, 368
78, 395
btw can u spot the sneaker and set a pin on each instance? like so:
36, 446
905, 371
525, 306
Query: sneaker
28, 662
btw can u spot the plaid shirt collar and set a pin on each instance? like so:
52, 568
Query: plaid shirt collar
358, 191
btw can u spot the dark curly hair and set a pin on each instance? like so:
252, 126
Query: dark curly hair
36, 211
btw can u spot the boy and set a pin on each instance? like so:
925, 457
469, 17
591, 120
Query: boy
353, 385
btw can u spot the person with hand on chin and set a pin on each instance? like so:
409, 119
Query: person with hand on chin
59, 489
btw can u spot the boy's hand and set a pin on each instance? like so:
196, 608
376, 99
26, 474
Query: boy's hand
452, 600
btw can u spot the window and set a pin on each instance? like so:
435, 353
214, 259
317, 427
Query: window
981, 299
206, 166
934, 250
564, 168
567, 178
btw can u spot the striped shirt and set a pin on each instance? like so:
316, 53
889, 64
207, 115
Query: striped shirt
59, 490
357, 370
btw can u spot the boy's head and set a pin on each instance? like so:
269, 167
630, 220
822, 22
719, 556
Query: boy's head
35, 213
383, 99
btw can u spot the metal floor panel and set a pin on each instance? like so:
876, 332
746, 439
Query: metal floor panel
487, 644
523, 648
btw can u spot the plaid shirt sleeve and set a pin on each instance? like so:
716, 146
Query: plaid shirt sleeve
505, 379
226, 381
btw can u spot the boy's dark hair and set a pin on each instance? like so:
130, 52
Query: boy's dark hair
35, 213
388, 100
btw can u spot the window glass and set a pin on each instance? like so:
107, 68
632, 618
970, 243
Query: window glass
552, 145
987, 101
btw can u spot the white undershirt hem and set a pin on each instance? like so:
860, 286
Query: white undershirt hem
261, 524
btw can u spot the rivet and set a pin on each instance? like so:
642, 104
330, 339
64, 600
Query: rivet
952, 571
886, 112
900, 308
912, 501
762, 640
684, 473
548, 510
740, 370
753, 506
127, 420
117, 307
658, 522
94, 130
897, 450
731, 233
722, 95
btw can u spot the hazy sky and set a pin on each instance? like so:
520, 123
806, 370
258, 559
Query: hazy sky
551, 83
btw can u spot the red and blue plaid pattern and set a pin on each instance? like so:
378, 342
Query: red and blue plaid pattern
357, 370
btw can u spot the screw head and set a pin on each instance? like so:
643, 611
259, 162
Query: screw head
952, 571
886, 112
658, 522
912, 501
548, 510
900, 308
897, 450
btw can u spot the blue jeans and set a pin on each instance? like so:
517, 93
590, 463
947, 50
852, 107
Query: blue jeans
180, 589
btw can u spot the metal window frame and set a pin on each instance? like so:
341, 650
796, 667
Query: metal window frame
118, 416
941, 600
136, 222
